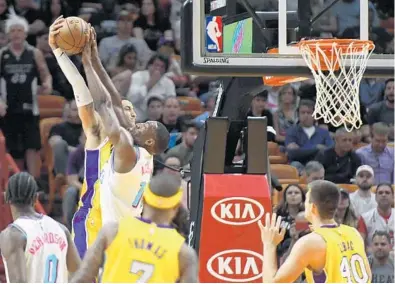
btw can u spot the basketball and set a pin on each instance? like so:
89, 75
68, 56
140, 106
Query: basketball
73, 35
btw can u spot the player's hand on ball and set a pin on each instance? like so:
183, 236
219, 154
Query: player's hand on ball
93, 42
272, 233
87, 53
54, 30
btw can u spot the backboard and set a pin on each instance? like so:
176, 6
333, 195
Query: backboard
233, 37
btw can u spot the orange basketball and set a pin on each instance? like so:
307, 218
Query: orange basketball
73, 35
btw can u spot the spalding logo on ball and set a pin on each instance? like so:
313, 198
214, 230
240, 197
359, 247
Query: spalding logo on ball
73, 35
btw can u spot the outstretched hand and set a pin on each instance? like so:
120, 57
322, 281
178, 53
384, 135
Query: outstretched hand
87, 53
54, 30
93, 43
272, 233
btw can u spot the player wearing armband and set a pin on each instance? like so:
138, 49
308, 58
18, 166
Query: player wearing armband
145, 249
35, 248
332, 253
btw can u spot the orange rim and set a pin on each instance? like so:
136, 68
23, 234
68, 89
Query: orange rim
327, 46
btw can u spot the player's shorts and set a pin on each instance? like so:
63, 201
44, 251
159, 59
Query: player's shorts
86, 226
22, 132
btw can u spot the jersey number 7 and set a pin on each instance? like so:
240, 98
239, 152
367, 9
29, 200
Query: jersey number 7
145, 270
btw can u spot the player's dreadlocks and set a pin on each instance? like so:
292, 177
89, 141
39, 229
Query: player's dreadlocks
21, 189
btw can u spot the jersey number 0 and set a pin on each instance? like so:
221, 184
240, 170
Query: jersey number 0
51, 269
354, 269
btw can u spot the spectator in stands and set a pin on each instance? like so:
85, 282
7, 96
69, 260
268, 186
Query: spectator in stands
75, 177
363, 199
286, 114
380, 218
210, 105
154, 108
345, 213
64, 138
53, 11
326, 25
370, 90
151, 26
314, 171
291, 203
32, 15
171, 118
382, 261
184, 150
304, 140
21, 67
148, 83
127, 61
3, 36
378, 155
3, 10
258, 107
384, 111
109, 47
340, 162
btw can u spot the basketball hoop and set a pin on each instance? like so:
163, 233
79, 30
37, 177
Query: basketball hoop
278, 81
338, 66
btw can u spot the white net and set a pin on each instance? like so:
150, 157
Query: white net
338, 69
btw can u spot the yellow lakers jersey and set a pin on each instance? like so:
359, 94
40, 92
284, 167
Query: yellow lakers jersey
346, 260
143, 252
87, 221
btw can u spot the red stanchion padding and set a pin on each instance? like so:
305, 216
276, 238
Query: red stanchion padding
230, 248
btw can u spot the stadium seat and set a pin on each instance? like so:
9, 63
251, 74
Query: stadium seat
349, 187
190, 106
45, 127
51, 106
275, 155
285, 174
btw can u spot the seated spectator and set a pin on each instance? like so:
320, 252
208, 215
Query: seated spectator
110, 47
290, 205
184, 150
171, 118
64, 138
340, 162
210, 106
370, 91
314, 171
151, 26
286, 114
378, 155
380, 218
326, 25
363, 199
148, 83
127, 60
381, 260
345, 213
384, 111
304, 140
258, 107
75, 177
52, 10
154, 108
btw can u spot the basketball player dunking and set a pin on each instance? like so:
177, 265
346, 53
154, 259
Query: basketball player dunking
88, 218
145, 249
332, 253
35, 248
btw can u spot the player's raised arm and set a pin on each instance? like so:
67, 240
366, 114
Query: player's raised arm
121, 139
107, 82
12, 246
83, 98
189, 266
73, 258
94, 257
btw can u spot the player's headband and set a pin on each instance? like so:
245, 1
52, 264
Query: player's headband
161, 202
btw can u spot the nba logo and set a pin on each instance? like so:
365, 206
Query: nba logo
214, 37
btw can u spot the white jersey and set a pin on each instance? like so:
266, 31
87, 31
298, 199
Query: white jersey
46, 250
121, 194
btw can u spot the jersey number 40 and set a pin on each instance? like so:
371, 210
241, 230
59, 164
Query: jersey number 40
354, 269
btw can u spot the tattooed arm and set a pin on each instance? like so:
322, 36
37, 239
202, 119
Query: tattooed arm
94, 257
189, 266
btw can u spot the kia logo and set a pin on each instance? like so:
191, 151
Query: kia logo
236, 265
237, 211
